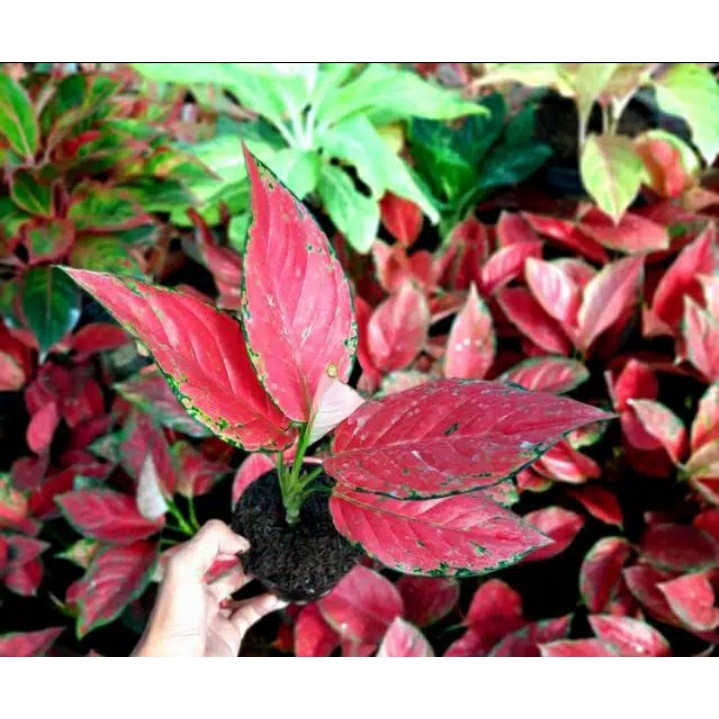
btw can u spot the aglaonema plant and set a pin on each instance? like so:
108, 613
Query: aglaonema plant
410, 479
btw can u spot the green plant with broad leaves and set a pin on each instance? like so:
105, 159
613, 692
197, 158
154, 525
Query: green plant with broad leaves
323, 128
613, 166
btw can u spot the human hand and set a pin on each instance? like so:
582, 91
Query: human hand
191, 617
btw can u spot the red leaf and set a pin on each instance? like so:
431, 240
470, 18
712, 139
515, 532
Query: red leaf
42, 427
578, 648
203, 353
449, 435
196, 473
28, 644
633, 234
560, 525
363, 312
548, 374
554, 290
606, 297
397, 330
401, 217
513, 229
25, 580
601, 572
600, 503
631, 637
404, 640
467, 247
252, 468
403, 380
525, 313
106, 515
116, 577
664, 166
705, 427
525, 641
564, 464
691, 597
296, 308
700, 333
660, 422
427, 599
98, 337
471, 344
507, 264
362, 606
643, 581
567, 234
636, 381
456, 535
313, 636
678, 548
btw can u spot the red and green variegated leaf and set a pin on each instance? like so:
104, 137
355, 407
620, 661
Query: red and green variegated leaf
252, 468
700, 335
116, 576
665, 170
601, 572
600, 503
313, 636
201, 352
565, 464
362, 606
427, 599
566, 233
637, 380
560, 525
460, 535
578, 648
523, 311
95, 207
48, 240
678, 548
607, 297
397, 330
402, 218
633, 234
42, 426
548, 374
525, 641
404, 640
630, 637
507, 264
24, 580
554, 290
28, 644
701, 257
13, 505
660, 422
18, 123
197, 474
643, 583
106, 515
471, 345
705, 427
692, 598
449, 436
296, 307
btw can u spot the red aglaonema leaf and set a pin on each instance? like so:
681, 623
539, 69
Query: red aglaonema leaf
705, 427
643, 582
525, 641
202, 353
565, 464
401, 217
252, 468
28, 644
566, 233
42, 427
633, 234
523, 311
106, 515
660, 422
116, 576
578, 648
25, 579
606, 297
700, 340
548, 374
197, 474
637, 380
427, 599
471, 344
334, 402
692, 598
362, 606
630, 637
664, 166
313, 636
678, 548
448, 436
296, 306
507, 264
600, 503
601, 571
560, 525
404, 640
554, 290
397, 329
450, 536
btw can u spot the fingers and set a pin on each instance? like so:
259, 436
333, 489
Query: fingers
250, 611
228, 583
215, 538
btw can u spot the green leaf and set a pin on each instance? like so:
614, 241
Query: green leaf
11, 217
17, 118
51, 305
386, 94
479, 132
692, 92
237, 231
611, 172
511, 164
49, 240
98, 207
354, 215
157, 194
104, 254
299, 170
589, 80
356, 142
30, 194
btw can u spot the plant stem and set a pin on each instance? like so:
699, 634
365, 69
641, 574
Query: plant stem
184, 526
192, 515
290, 484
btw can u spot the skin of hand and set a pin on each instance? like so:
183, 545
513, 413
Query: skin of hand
192, 618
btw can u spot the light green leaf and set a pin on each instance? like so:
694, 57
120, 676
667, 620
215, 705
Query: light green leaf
589, 81
611, 172
692, 92
104, 253
354, 215
531, 74
17, 118
298, 169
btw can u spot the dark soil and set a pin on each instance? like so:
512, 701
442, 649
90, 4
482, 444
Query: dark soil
300, 563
